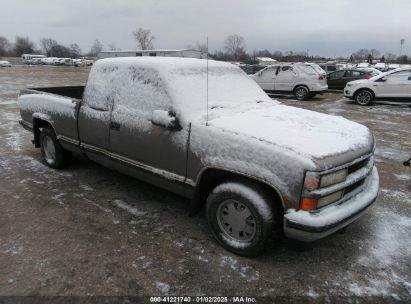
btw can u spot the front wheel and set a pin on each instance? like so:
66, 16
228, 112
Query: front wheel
52, 152
301, 93
240, 217
364, 98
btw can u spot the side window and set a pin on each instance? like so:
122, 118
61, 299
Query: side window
331, 68
269, 71
97, 94
357, 74
337, 75
348, 74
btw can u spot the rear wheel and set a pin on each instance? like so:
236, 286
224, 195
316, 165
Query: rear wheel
240, 217
301, 93
364, 97
52, 152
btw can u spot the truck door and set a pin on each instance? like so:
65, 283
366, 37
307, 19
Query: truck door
138, 147
94, 120
265, 78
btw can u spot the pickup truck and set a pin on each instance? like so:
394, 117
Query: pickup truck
206, 131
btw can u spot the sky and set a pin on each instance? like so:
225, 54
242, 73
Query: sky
321, 27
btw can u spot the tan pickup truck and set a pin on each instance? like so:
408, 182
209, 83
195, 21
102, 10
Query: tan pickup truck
211, 134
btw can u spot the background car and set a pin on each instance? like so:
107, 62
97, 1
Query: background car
337, 80
328, 68
5, 63
395, 85
304, 80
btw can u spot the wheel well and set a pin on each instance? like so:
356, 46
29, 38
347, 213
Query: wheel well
37, 125
365, 89
213, 177
302, 85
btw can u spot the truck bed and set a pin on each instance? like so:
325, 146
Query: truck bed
66, 91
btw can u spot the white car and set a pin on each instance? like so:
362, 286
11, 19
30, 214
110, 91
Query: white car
393, 84
4, 64
304, 80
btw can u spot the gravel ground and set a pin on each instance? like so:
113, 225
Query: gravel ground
90, 231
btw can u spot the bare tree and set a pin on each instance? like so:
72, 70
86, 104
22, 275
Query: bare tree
375, 53
60, 51
234, 44
47, 44
5, 46
23, 46
112, 47
75, 50
144, 39
390, 57
96, 48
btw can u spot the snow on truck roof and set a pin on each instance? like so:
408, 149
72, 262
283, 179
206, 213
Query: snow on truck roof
185, 80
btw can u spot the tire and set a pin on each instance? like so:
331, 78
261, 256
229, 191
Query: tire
240, 217
52, 152
364, 98
301, 93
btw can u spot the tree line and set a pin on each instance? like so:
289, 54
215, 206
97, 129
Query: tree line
234, 50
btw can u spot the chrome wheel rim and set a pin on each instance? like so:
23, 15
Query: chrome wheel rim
363, 97
301, 93
236, 220
49, 149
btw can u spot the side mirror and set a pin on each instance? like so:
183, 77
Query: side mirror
382, 79
166, 119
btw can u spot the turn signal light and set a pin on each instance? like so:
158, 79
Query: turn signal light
308, 203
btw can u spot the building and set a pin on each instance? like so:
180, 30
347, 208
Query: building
160, 53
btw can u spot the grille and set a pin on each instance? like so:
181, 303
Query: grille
353, 186
358, 165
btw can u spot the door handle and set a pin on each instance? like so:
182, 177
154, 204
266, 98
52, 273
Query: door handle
115, 126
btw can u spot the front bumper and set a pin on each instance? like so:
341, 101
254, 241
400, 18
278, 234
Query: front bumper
306, 226
348, 92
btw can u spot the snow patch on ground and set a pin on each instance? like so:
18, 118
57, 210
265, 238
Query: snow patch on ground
232, 263
396, 195
163, 287
403, 177
126, 207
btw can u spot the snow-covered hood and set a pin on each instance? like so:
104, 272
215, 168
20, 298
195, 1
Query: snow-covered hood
311, 134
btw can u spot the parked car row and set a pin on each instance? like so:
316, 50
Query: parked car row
43, 60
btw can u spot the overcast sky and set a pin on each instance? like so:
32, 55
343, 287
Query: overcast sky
323, 27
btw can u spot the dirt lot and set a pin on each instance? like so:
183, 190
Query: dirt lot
90, 231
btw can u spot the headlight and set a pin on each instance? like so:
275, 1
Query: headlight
333, 178
314, 180
348, 84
